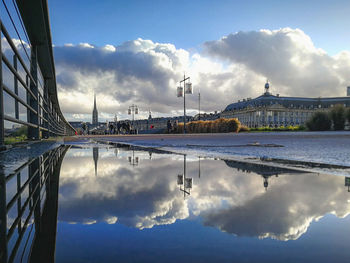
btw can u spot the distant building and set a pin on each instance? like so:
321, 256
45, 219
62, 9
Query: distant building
274, 110
348, 91
95, 113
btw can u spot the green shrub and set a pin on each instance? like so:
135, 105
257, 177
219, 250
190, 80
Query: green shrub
244, 128
319, 121
337, 115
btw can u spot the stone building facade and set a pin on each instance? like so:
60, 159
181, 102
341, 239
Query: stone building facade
274, 110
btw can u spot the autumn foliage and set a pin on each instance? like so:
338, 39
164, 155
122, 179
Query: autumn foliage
220, 125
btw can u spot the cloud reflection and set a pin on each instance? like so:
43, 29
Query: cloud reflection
223, 196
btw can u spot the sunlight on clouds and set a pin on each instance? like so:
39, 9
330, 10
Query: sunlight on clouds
234, 67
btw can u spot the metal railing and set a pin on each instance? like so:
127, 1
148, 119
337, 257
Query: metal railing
28, 201
28, 92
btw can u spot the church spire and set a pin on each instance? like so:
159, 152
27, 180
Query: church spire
95, 113
95, 101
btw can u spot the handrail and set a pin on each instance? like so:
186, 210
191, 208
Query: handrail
44, 116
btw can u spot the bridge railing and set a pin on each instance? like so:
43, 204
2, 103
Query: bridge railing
28, 92
27, 194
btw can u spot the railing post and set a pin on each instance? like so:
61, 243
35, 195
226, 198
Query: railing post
33, 132
15, 80
46, 108
2, 123
34, 170
3, 218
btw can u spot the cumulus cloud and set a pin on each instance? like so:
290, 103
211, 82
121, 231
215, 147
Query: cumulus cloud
236, 66
288, 58
233, 67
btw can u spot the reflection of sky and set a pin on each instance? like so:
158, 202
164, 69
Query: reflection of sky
235, 202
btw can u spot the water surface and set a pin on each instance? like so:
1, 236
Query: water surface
130, 206
93, 203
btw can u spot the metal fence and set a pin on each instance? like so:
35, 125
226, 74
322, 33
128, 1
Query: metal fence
28, 209
28, 92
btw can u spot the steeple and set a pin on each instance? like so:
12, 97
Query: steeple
95, 113
95, 101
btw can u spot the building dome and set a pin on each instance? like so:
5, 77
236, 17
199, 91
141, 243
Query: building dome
267, 86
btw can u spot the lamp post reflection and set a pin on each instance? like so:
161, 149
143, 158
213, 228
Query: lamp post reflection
184, 183
199, 167
133, 160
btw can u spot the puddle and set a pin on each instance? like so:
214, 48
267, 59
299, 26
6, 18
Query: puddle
134, 205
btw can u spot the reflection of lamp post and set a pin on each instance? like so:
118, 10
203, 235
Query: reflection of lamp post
133, 160
199, 167
182, 91
182, 180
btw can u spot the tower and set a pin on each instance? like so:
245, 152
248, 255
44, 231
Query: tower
95, 113
348, 91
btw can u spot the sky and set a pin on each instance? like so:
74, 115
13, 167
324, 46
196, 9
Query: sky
135, 52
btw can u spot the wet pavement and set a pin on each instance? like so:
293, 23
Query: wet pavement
319, 147
124, 204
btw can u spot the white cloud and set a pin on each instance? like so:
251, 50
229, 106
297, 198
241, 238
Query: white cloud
231, 68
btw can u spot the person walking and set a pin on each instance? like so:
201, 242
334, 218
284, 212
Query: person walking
169, 126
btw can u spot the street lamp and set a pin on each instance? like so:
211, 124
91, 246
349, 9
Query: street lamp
199, 105
133, 109
180, 93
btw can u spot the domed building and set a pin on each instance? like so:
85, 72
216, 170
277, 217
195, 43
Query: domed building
275, 110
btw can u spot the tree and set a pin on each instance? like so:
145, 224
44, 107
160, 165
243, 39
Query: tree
320, 121
338, 117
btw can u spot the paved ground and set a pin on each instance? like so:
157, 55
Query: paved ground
322, 147
318, 147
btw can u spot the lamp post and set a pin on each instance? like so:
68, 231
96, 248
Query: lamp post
199, 105
182, 91
133, 109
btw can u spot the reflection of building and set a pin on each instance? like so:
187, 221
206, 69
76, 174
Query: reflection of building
273, 110
95, 156
347, 183
265, 171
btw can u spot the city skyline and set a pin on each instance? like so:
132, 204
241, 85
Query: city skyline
229, 50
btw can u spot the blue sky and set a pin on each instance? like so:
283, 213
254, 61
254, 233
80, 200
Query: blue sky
135, 52
187, 24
